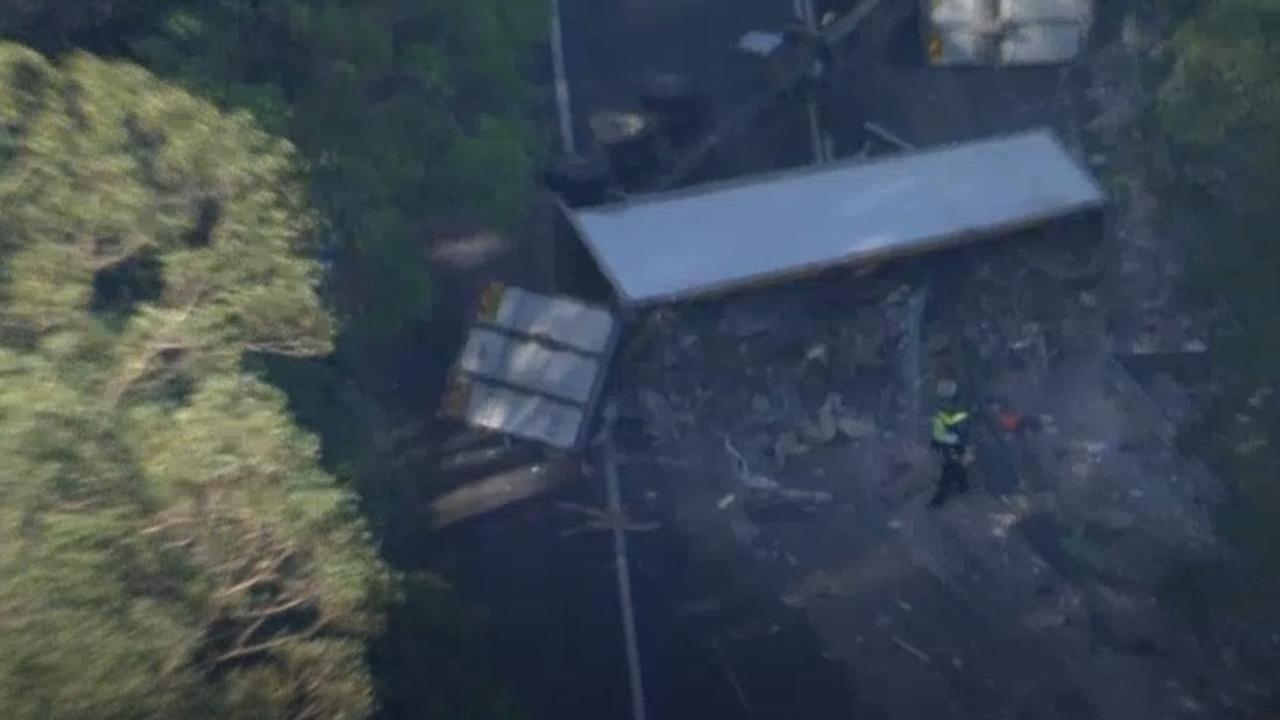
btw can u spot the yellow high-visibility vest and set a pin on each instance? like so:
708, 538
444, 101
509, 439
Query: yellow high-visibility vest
944, 424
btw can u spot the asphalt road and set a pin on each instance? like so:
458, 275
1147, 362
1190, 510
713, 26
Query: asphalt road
611, 47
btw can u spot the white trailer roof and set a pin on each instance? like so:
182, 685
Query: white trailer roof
723, 236
532, 367
1010, 32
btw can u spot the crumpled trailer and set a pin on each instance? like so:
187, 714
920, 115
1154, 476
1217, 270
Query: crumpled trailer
1004, 32
709, 239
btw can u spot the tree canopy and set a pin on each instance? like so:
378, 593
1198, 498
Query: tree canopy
169, 542
405, 111
1220, 105
408, 110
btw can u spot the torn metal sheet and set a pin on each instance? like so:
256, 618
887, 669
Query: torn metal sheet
724, 236
1005, 32
532, 367
561, 320
524, 415
525, 362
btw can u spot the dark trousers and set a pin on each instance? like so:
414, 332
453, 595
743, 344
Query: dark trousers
954, 478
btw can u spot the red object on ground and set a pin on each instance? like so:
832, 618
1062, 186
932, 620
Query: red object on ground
1010, 421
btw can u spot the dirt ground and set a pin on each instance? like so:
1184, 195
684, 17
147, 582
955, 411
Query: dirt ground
1038, 594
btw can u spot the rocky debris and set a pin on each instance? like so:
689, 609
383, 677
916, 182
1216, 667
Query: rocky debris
763, 495
661, 419
1128, 622
788, 445
744, 321
831, 421
911, 470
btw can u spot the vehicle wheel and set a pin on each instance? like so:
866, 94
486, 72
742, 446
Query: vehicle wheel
681, 109
632, 142
580, 180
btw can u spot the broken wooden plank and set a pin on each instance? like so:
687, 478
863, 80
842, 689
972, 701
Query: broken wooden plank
499, 491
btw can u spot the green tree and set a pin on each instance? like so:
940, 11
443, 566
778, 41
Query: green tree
407, 110
1220, 105
169, 543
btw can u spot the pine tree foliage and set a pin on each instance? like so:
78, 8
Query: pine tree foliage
169, 544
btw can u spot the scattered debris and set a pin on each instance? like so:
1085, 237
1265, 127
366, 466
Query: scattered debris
831, 420
726, 501
730, 676
763, 493
760, 43
817, 353
787, 445
660, 417
916, 652
856, 428
880, 132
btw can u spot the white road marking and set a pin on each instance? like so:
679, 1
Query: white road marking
622, 566
562, 83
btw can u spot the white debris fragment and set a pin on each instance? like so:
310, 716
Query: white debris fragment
726, 501
856, 428
1094, 448
759, 43
1002, 522
919, 654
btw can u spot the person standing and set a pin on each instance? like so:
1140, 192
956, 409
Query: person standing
950, 439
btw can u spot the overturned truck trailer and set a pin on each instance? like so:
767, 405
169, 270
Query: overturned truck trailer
533, 366
747, 232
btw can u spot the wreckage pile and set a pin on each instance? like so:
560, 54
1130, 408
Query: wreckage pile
794, 378
810, 402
